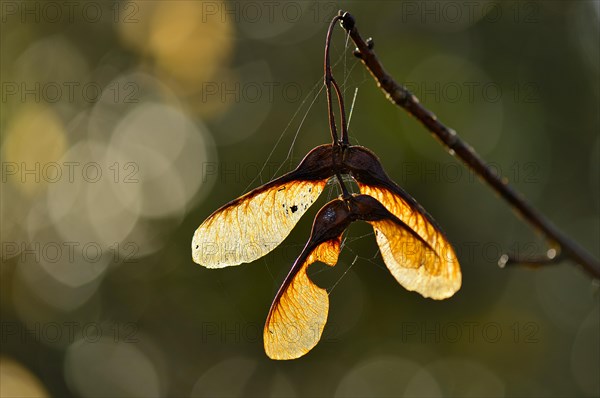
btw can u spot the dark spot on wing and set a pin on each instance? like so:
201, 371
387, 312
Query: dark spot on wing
280, 189
294, 208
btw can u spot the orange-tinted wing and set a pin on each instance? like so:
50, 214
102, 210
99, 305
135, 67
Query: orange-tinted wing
415, 265
252, 225
299, 311
298, 315
432, 269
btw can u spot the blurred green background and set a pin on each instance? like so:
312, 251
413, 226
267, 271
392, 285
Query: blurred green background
125, 124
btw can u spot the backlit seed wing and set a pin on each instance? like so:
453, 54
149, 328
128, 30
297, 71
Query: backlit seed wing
413, 248
415, 265
432, 270
254, 224
299, 312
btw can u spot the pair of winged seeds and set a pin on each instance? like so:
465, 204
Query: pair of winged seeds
413, 247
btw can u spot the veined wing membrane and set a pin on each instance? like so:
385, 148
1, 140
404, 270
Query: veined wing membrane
299, 312
431, 270
414, 265
251, 226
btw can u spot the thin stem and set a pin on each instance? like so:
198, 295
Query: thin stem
340, 98
329, 81
402, 97
328, 78
345, 193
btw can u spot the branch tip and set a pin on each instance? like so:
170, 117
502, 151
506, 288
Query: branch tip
348, 20
503, 260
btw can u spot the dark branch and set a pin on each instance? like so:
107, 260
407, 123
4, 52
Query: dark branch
402, 97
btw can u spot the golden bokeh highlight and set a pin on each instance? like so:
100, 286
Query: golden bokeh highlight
34, 143
18, 382
185, 44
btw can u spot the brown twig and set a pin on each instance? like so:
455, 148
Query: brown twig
399, 95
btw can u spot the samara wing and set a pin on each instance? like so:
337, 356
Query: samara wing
433, 272
299, 311
252, 225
